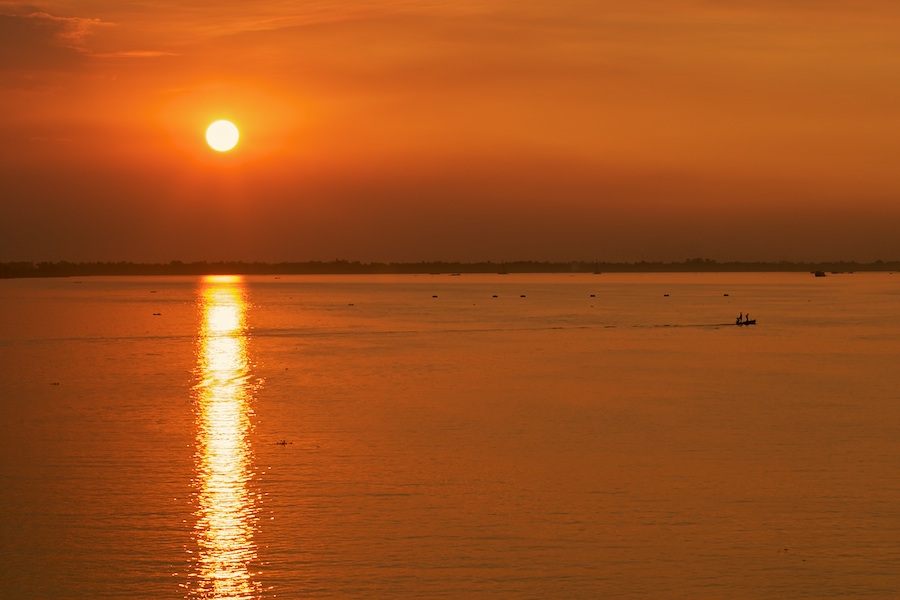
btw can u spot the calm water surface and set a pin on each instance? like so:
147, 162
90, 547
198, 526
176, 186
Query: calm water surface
518, 436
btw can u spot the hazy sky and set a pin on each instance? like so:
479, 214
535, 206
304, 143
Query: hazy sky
403, 130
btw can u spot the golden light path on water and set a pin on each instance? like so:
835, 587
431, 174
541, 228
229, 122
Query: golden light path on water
226, 511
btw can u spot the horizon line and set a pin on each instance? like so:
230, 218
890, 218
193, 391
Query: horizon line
23, 269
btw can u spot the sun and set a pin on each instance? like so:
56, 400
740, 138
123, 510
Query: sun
222, 135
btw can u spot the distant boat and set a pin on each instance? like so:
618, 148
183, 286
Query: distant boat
819, 273
750, 322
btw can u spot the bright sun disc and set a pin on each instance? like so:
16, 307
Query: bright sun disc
222, 135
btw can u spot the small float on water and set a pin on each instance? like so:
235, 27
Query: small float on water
744, 320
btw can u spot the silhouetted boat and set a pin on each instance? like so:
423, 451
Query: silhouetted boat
750, 322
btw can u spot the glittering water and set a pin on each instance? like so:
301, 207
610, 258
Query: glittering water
513, 436
226, 507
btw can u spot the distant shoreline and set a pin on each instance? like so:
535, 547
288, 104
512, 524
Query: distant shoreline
12, 270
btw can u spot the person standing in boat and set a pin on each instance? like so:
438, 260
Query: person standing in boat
740, 319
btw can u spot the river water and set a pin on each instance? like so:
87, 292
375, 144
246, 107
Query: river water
440, 436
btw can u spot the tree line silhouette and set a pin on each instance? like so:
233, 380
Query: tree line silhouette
20, 269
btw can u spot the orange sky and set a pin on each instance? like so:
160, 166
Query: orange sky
397, 130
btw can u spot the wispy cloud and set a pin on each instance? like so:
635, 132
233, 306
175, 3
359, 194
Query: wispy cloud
69, 32
40, 40
134, 54
33, 39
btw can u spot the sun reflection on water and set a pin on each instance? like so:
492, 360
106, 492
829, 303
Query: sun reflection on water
226, 511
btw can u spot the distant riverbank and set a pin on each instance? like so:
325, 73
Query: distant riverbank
9, 270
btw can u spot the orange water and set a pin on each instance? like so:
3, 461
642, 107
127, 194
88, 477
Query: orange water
594, 438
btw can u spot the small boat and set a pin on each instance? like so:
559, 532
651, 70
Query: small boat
750, 322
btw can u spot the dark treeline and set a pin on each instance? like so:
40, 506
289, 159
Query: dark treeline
83, 269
